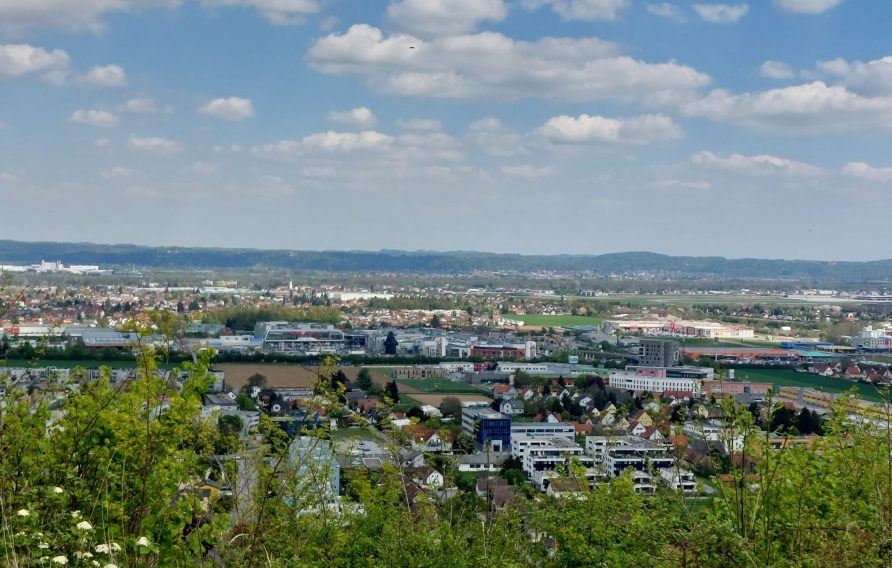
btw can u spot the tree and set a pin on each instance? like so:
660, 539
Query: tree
392, 391
416, 412
364, 379
451, 406
435, 322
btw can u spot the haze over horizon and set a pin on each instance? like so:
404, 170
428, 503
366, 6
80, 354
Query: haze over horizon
735, 129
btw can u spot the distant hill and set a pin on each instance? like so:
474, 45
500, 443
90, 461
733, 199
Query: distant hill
455, 262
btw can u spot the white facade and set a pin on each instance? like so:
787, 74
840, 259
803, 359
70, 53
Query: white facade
634, 382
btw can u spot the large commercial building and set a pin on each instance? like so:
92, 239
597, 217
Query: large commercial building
488, 427
659, 352
516, 351
292, 337
870, 339
707, 329
633, 381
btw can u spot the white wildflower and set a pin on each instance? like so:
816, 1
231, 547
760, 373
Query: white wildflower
84, 555
115, 547
75, 514
23, 512
43, 545
110, 566
59, 560
102, 548
142, 541
84, 526
58, 490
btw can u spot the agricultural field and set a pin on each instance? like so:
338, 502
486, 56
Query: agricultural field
559, 320
790, 378
85, 363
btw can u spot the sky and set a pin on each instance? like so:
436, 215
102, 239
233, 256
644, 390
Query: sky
742, 129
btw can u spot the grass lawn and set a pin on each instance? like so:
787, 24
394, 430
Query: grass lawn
439, 386
351, 434
555, 320
789, 378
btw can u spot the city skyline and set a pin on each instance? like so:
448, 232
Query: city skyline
745, 130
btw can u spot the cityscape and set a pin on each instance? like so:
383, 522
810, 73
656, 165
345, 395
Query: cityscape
445, 283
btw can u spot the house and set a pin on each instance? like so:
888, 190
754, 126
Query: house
368, 405
526, 393
581, 428
426, 476
853, 372
496, 492
511, 407
651, 434
564, 487
636, 428
641, 417
490, 462
504, 392
411, 458
425, 439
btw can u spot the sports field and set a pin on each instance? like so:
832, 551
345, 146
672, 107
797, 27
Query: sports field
789, 378
557, 320
438, 386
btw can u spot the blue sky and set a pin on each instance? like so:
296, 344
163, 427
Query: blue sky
742, 129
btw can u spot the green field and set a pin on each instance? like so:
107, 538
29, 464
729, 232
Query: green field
555, 320
789, 378
440, 386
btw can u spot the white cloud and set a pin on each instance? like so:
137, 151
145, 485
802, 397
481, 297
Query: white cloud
20, 16
721, 13
444, 17
809, 108
776, 70
686, 184
360, 116
807, 6
21, 59
154, 144
866, 171
94, 117
105, 76
102, 142
419, 124
232, 108
491, 65
6, 177
203, 168
526, 170
585, 129
761, 164
144, 105
494, 138
587, 10
869, 78
329, 142
666, 10
118, 172
276, 12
